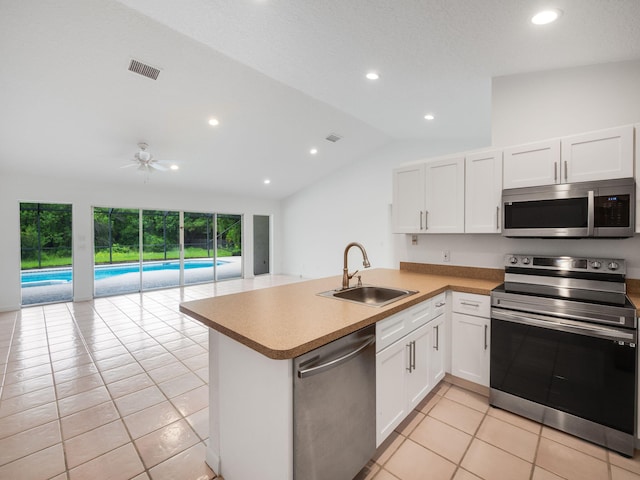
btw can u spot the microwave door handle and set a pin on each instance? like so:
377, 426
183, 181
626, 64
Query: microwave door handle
590, 213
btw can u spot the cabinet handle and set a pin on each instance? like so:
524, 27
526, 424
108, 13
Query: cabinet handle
555, 171
470, 304
420, 219
437, 337
409, 357
486, 327
497, 218
566, 172
426, 219
440, 304
413, 355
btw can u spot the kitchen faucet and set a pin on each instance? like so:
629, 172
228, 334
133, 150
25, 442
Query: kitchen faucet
345, 271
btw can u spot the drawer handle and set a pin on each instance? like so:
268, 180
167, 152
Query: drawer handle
469, 304
440, 304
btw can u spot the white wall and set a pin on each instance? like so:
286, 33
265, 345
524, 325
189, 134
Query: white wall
541, 105
83, 196
353, 204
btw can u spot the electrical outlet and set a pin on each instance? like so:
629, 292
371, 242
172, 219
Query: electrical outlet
446, 256
414, 239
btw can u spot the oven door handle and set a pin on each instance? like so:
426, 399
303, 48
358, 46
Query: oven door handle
590, 213
569, 326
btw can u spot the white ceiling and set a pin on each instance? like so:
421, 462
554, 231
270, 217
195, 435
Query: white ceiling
280, 75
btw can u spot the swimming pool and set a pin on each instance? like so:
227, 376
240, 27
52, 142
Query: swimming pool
57, 276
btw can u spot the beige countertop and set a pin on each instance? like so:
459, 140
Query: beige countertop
286, 321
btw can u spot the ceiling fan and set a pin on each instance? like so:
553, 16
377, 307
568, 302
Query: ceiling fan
145, 161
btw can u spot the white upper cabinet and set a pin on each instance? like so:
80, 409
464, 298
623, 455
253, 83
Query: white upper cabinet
429, 197
532, 164
600, 155
444, 206
483, 192
408, 199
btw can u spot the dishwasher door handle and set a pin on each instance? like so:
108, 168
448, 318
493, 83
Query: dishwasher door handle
307, 372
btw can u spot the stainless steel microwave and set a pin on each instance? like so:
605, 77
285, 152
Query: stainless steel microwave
601, 209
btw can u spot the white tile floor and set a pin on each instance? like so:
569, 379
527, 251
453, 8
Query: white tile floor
116, 388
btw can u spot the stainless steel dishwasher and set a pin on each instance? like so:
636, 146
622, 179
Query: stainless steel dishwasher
334, 405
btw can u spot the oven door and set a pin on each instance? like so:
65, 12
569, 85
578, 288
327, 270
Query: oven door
585, 370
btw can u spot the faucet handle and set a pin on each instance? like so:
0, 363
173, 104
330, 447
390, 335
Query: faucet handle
350, 275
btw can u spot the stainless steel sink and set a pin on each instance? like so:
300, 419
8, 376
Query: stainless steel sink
369, 295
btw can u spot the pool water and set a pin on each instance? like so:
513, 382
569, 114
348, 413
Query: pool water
39, 278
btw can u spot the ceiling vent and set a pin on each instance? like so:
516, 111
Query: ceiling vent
142, 69
333, 137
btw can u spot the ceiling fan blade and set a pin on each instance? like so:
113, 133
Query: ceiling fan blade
130, 165
158, 166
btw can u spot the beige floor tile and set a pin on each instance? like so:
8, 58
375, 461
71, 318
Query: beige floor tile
457, 415
151, 419
203, 373
489, 462
44, 464
61, 376
513, 419
574, 442
192, 401
462, 474
569, 463
410, 423
197, 362
542, 474
122, 372
465, 397
168, 372
28, 363
618, 473
95, 442
428, 403
157, 361
27, 419
115, 361
631, 464
199, 421
388, 448
82, 401
158, 446
122, 464
27, 386
188, 465
78, 385
88, 419
26, 374
179, 385
441, 388
129, 385
385, 475
29, 441
413, 462
134, 402
27, 401
442, 439
508, 437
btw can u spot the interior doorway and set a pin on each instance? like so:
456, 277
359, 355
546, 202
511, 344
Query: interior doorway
261, 244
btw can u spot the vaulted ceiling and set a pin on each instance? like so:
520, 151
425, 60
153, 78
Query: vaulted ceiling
279, 75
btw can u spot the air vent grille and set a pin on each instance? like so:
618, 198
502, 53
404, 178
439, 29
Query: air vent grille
333, 137
143, 69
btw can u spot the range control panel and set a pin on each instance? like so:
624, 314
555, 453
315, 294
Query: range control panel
574, 264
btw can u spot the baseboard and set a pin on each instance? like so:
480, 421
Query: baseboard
467, 385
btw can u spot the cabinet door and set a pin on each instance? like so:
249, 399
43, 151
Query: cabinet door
637, 167
532, 164
418, 378
600, 155
470, 342
444, 196
483, 192
438, 350
408, 199
391, 405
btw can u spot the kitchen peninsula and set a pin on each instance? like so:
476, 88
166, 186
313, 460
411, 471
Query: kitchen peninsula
254, 338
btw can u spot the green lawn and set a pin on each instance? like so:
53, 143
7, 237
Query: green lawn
102, 257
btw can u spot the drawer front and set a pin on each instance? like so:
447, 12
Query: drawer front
390, 329
439, 304
472, 304
418, 315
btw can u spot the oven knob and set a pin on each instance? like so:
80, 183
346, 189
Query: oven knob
513, 260
596, 265
526, 260
613, 266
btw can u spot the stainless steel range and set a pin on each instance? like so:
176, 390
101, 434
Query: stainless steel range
563, 347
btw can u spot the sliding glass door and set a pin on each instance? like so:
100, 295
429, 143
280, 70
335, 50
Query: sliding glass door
161, 249
199, 247
228, 246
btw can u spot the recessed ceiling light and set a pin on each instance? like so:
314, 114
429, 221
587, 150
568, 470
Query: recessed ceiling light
373, 76
428, 116
267, 181
174, 167
313, 151
214, 122
546, 16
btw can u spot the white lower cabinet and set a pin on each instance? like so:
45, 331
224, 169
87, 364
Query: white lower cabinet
471, 335
407, 369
